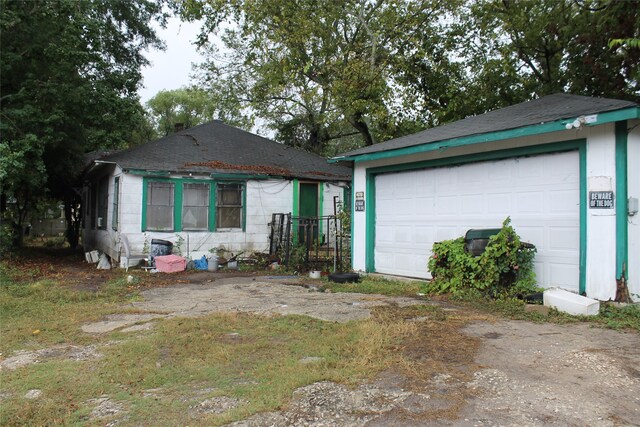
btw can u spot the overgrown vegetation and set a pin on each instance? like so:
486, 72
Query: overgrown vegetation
611, 316
182, 360
378, 285
505, 268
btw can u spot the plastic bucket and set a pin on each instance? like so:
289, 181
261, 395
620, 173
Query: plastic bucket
213, 264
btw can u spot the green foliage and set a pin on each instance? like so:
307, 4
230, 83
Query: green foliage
611, 316
514, 50
298, 258
369, 284
333, 77
622, 317
318, 73
191, 107
504, 269
70, 73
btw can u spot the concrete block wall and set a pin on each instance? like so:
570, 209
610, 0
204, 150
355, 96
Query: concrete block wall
263, 199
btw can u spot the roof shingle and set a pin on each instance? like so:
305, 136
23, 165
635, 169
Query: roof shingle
216, 147
542, 110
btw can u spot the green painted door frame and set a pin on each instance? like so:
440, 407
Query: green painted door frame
579, 145
622, 227
310, 202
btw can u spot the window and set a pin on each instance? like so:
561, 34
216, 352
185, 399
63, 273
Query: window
195, 206
116, 200
91, 211
175, 204
103, 200
229, 206
160, 200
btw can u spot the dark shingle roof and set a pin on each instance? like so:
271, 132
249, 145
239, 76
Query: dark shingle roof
215, 147
546, 109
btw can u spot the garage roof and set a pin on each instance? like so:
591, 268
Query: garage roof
549, 109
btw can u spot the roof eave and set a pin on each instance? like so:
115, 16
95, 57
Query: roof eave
531, 130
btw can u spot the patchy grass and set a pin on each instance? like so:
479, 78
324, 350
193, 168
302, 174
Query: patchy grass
159, 376
46, 312
184, 360
372, 284
610, 316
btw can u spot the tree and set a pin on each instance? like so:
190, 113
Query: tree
517, 50
191, 107
317, 70
70, 71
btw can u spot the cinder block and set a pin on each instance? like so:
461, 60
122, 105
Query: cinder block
571, 303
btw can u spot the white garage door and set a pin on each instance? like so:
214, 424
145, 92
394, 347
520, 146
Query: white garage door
541, 195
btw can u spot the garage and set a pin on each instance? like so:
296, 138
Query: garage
541, 194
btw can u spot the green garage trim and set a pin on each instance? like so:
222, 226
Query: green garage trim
582, 152
555, 126
622, 231
578, 144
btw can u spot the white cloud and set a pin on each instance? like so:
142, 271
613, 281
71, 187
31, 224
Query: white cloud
171, 69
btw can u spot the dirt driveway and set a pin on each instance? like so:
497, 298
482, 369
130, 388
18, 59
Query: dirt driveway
517, 374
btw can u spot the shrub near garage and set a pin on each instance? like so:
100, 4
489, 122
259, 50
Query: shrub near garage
505, 268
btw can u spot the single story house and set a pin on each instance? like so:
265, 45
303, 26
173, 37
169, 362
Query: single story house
565, 168
210, 186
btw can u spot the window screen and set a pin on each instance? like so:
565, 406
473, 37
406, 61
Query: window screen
195, 206
160, 206
229, 206
103, 199
116, 200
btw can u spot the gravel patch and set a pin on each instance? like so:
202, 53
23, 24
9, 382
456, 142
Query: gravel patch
33, 394
117, 321
263, 296
70, 352
104, 407
215, 405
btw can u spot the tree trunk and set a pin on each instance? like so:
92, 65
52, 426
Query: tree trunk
358, 122
73, 217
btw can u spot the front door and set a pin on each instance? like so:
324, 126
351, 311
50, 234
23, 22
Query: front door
308, 211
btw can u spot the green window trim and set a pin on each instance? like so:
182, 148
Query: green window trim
295, 209
243, 212
116, 203
571, 145
178, 198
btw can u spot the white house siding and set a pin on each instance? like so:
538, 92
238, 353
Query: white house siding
633, 165
329, 191
264, 197
601, 223
105, 240
601, 230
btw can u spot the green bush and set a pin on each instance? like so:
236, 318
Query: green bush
504, 269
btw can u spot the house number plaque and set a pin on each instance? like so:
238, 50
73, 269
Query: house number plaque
359, 206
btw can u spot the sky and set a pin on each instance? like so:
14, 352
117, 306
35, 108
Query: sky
170, 69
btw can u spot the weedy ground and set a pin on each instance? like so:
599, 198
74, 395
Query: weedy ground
160, 376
